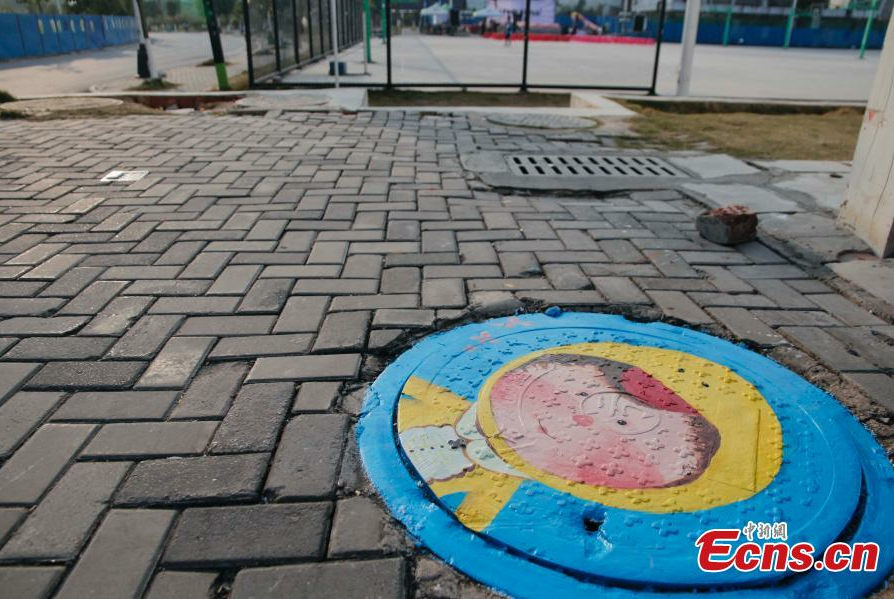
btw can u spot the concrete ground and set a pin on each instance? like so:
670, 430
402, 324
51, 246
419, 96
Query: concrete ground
114, 68
740, 72
150, 447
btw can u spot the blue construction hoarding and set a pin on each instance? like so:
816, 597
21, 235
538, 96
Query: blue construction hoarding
26, 35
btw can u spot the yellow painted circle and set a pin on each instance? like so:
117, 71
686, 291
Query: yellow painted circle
746, 461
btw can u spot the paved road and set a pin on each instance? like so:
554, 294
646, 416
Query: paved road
745, 72
110, 68
173, 317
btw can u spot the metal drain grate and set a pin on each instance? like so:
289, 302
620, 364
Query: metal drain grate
567, 165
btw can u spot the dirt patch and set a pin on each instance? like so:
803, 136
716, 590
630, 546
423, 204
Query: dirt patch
461, 98
831, 135
124, 109
152, 85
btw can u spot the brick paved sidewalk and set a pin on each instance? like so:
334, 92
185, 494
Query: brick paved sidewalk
183, 358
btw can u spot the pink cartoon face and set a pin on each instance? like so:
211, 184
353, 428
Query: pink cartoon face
600, 422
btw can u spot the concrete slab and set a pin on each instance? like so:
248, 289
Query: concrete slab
826, 190
344, 98
875, 276
757, 199
800, 225
804, 166
710, 166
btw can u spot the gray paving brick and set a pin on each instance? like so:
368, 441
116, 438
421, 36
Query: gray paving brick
176, 363
211, 392
461, 271
825, 347
745, 326
30, 325
343, 331
150, 439
86, 375
335, 286
308, 457
266, 295
117, 316
316, 396
54, 267
873, 347
362, 266
303, 368
301, 315
736, 300
177, 481
230, 326
32, 306
253, 421
875, 385
383, 579
782, 295
566, 276
235, 280
402, 230
769, 271
59, 348
620, 289
845, 310
403, 318
173, 584
195, 305
443, 293
29, 582
31, 470
477, 252
670, 263
10, 517
21, 414
676, 304
123, 273
260, 345
206, 265
60, 524
360, 527
145, 338
250, 534
796, 318
13, 376
106, 406
373, 302
93, 299
121, 556
401, 279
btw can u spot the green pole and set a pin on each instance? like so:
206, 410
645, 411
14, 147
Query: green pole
367, 30
868, 28
384, 20
728, 23
220, 65
791, 24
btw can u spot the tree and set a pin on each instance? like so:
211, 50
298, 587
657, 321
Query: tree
172, 8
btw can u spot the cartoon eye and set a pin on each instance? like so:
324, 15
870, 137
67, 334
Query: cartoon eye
622, 422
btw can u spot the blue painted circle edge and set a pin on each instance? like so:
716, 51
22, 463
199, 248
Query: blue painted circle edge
504, 571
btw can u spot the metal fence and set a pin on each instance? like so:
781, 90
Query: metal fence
282, 35
287, 41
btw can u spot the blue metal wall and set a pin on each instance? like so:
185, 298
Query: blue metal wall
24, 35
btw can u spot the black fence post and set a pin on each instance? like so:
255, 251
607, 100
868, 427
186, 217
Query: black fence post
386, 22
524, 84
276, 36
658, 36
310, 31
246, 22
296, 41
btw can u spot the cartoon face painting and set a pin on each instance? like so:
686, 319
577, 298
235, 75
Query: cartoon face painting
600, 422
616, 424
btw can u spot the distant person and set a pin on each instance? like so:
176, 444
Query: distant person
507, 34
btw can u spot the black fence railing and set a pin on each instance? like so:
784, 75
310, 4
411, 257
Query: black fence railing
410, 48
281, 35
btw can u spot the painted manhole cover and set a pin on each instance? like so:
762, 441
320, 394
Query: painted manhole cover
281, 101
542, 121
575, 454
48, 105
